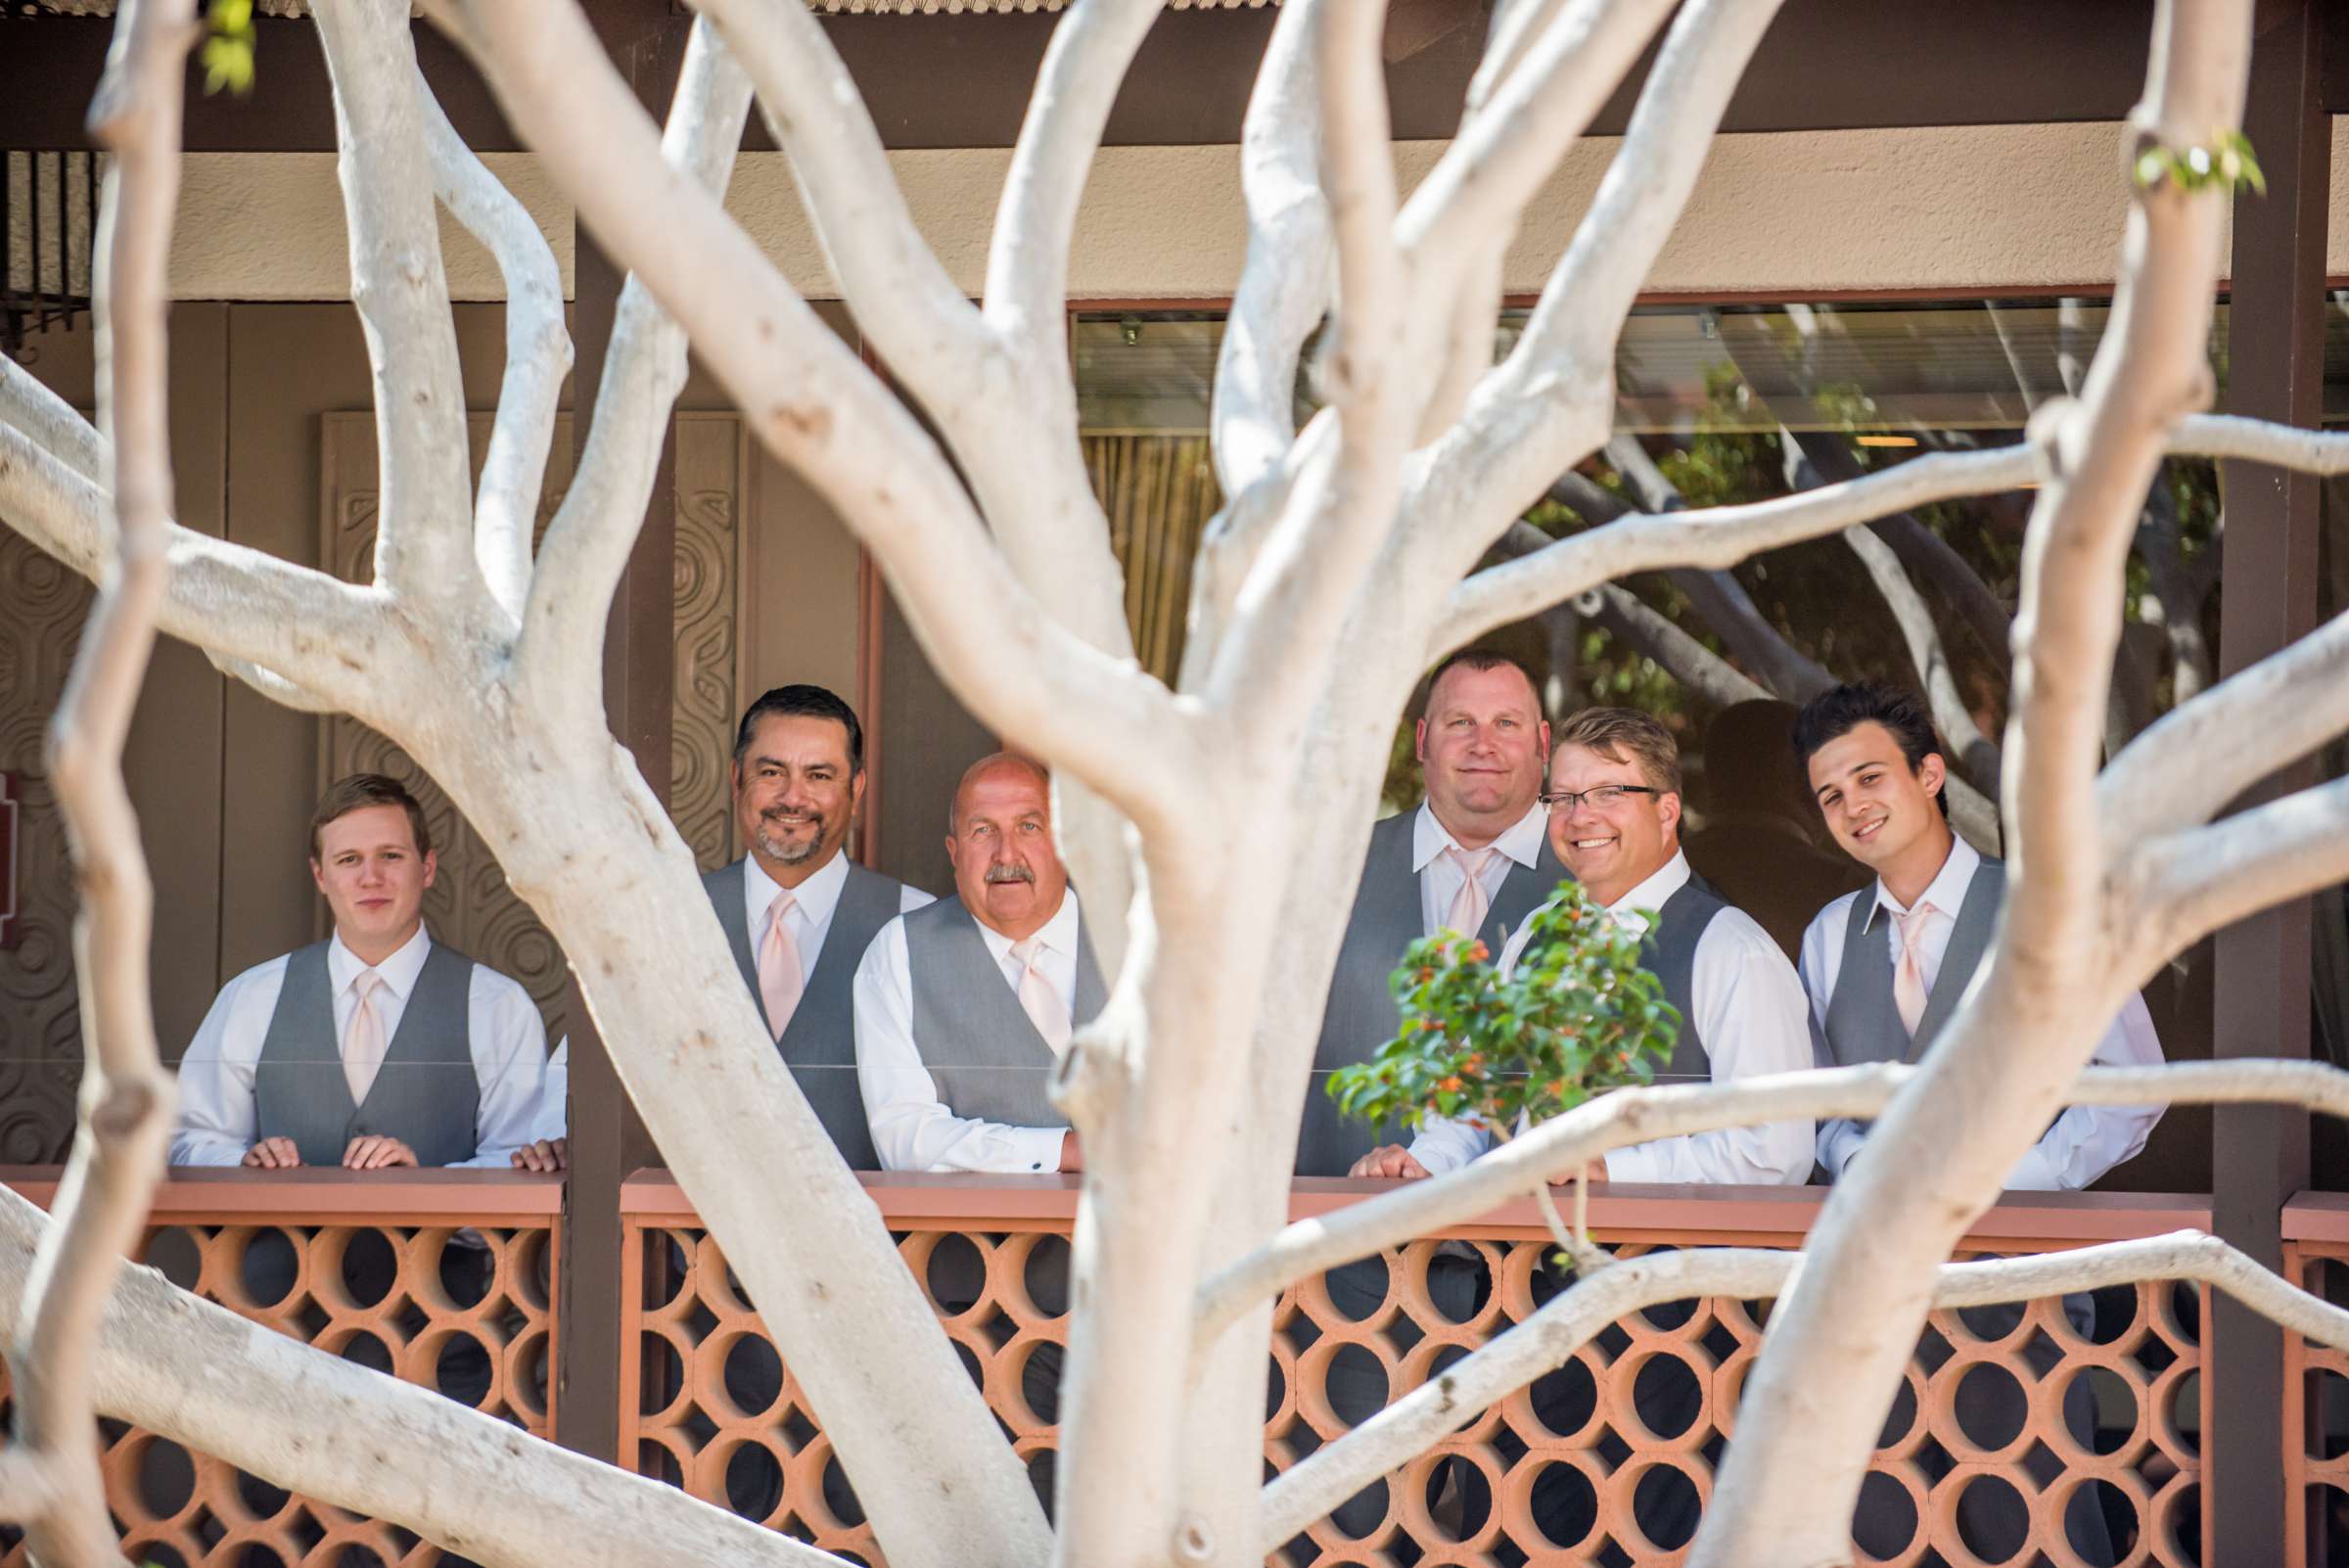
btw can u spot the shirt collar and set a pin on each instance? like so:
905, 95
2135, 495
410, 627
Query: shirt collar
1521, 842
816, 897
397, 972
1948, 889
1058, 934
1662, 883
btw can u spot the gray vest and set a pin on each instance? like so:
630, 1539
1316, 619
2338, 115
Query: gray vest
425, 1093
1671, 960
1862, 1024
988, 1060
820, 1044
1361, 1015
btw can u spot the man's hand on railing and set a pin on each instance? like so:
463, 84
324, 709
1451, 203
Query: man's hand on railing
274, 1154
1389, 1160
1072, 1152
547, 1156
376, 1152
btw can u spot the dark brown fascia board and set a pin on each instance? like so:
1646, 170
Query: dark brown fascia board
961, 81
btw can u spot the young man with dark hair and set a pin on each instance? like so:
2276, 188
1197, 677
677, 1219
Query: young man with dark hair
1884, 969
377, 1047
798, 912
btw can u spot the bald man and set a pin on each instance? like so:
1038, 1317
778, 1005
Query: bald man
964, 1007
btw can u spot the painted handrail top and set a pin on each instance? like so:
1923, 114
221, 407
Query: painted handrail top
973, 1202
193, 1194
2316, 1217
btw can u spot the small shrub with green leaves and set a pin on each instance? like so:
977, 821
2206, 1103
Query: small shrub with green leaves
1578, 1015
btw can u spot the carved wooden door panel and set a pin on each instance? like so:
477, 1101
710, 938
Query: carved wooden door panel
470, 907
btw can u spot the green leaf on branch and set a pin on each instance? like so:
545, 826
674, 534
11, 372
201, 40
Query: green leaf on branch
229, 47
1578, 1015
2227, 164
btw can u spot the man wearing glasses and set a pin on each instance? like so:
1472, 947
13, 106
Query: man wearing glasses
1614, 810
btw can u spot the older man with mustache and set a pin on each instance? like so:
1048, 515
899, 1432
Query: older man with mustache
965, 1007
798, 912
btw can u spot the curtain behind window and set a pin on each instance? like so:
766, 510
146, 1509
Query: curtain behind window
1159, 490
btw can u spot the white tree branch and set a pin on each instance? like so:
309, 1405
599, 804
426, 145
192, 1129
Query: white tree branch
999, 388
1284, 283
819, 409
1976, 753
314, 1423
2260, 440
593, 532
1565, 1144
270, 684
1536, 414
1551, 84
1545, 1339
241, 601
1787, 1488
1700, 671
424, 544
1009, 417
1543, 78
537, 355
2194, 881
125, 1097
52, 424
1357, 171
2192, 760
1820, 457
1026, 295
1715, 536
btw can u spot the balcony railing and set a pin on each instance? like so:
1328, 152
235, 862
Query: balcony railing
445, 1279
713, 1415
440, 1277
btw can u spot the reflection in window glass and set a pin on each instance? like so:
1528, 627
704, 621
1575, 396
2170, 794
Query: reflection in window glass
1721, 404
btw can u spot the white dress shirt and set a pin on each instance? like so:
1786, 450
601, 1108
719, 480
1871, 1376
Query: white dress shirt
813, 903
2086, 1142
912, 1127
1748, 1010
553, 1117
215, 1124
1439, 875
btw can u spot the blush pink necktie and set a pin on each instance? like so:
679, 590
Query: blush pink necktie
779, 978
1468, 904
1908, 981
363, 1038
1039, 999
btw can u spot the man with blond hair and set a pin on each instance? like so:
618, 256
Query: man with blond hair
1471, 858
1614, 810
376, 1047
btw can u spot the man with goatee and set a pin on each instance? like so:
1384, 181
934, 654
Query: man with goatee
798, 912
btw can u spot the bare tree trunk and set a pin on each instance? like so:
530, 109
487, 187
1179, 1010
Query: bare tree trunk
1814, 1400
50, 1471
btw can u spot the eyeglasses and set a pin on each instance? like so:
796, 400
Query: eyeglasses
1602, 798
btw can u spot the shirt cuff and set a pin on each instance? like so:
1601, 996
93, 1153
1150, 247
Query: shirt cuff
1037, 1148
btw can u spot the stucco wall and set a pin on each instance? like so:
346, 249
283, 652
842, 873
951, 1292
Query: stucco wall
1914, 209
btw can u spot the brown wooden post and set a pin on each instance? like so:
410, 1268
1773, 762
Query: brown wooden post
2275, 369
608, 1140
